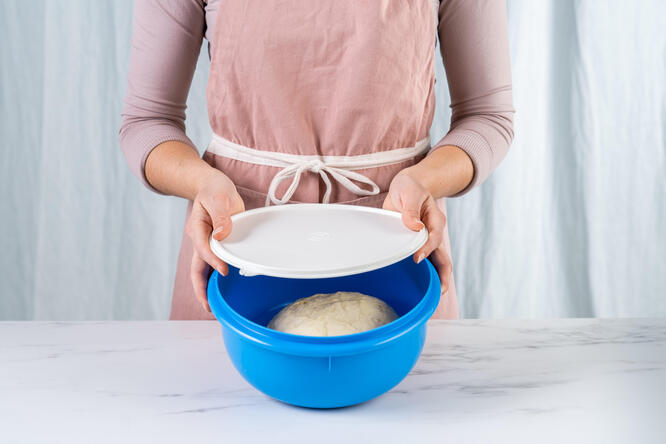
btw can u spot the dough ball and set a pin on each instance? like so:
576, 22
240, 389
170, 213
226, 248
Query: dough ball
334, 314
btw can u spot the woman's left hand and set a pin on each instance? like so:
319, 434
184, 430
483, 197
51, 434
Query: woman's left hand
407, 196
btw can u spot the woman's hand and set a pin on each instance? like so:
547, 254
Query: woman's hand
215, 202
418, 208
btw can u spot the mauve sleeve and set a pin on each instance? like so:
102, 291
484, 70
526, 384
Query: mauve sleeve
474, 43
166, 40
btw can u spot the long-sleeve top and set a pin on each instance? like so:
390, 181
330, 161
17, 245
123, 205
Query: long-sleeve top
323, 78
331, 77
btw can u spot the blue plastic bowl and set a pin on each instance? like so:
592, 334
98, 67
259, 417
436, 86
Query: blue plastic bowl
324, 372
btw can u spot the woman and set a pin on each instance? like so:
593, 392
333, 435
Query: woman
316, 101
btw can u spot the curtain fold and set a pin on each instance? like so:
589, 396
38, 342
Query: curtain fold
572, 223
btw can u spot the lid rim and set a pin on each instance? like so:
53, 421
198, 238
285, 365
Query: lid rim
249, 268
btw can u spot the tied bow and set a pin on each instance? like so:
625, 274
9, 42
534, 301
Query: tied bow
343, 176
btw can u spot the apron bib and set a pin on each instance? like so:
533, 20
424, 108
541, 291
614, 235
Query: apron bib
317, 101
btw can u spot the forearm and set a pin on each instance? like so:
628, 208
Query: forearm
175, 168
445, 172
166, 40
474, 43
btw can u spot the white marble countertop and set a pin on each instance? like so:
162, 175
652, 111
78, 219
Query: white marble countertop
576, 380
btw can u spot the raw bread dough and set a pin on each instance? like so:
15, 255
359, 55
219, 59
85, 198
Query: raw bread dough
333, 314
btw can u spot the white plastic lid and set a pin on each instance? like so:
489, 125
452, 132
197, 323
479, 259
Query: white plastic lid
316, 240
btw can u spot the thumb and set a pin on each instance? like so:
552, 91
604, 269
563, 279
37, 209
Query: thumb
221, 222
411, 211
221, 227
388, 204
221, 210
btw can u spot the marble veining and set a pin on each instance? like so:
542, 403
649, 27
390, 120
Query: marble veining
495, 381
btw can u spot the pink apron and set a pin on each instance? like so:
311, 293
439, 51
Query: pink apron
299, 102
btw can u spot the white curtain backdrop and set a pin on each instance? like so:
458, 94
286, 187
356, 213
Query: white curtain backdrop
573, 223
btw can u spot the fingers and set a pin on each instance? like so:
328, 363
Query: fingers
199, 228
435, 221
199, 274
216, 201
418, 209
442, 263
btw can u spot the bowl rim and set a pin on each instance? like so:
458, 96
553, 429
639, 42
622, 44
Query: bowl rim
325, 345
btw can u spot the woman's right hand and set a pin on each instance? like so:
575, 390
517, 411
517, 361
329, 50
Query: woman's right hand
215, 202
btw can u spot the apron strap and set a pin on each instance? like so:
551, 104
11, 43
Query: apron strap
340, 168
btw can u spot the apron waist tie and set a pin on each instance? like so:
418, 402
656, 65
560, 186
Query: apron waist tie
340, 168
